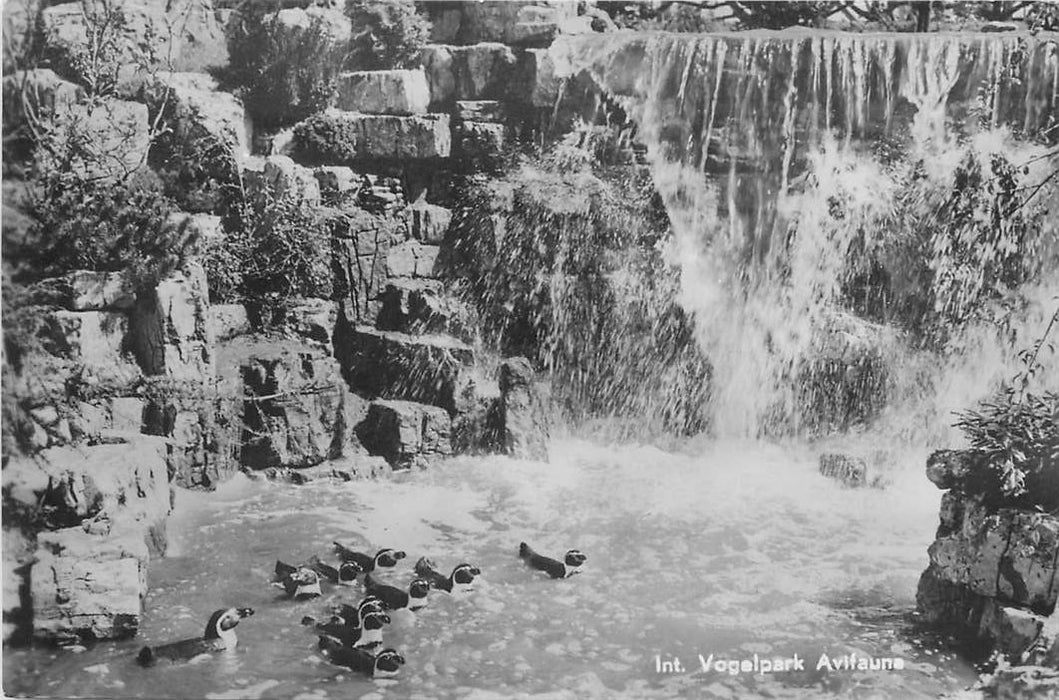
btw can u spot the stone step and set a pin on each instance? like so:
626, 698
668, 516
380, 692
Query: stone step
390, 365
397, 92
337, 137
406, 433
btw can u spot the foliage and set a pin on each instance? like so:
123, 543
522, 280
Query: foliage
1017, 432
105, 226
780, 15
279, 248
283, 74
325, 138
385, 34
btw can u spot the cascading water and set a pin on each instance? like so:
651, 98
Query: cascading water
788, 160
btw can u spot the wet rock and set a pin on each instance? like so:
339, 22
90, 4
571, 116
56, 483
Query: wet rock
295, 404
537, 82
392, 365
524, 421
948, 469
413, 259
406, 433
348, 138
1019, 634
400, 92
86, 587
429, 222
476, 427
170, 333
479, 72
850, 471
421, 306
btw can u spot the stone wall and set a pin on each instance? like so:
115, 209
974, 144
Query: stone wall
992, 579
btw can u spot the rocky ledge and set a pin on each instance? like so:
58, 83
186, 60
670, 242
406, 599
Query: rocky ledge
992, 580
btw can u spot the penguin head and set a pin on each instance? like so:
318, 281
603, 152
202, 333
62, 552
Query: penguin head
370, 603
348, 570
223, 621
305, 576
387, 663
375, 620
418, 588
575, 558
388, 557
464, 574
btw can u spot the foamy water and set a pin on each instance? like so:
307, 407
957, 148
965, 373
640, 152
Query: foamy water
729, 549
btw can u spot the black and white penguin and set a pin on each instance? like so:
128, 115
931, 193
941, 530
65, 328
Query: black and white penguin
345, 575
385, 664
367, 632
352, 614
298, 582
384, 558
460, 579
219, 636
394, 598
570, 565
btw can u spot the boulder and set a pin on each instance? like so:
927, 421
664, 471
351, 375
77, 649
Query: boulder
95, 339
500, 21
87, 587
849, 471
202, 119
421, 306
170, 333
400, 92
295, 410
228, 321
948, 469
350, 138
413, 259
314, 319
332, 22
523, 417
429, 222
406, 433
480, 141
88, 290
479, 111
339, 185
42, 91
390, 365
360, 244
477, 72
277, 177
538, 82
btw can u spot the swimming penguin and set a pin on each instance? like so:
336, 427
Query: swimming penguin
345, 574
219, 636
460, 579
394, 598
383, 558
352, 614
367, 632
385, 664
299, 582
570, 565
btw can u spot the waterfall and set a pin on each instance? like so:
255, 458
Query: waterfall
783, 156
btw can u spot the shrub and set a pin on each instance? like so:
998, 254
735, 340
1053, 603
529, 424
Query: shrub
325, 138
385, 34
94, 225
283, 74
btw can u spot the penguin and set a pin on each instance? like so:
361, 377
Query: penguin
386, 557
367, 632
219, 636
394, 598
299, 582
570, 565
352, 614
344, 575
385, 664
460, 579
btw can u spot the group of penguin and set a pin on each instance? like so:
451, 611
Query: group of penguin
352, 634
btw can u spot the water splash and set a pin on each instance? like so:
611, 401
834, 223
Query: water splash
788, 163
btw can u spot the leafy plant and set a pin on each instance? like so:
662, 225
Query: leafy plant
283, 74
385, 34
1017, 432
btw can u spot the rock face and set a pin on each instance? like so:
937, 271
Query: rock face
351, 138
103, 510
993, 568
406, 433
297, 411
479, 72
523, 417
401, 92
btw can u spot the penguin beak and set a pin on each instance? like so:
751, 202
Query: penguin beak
245, 612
